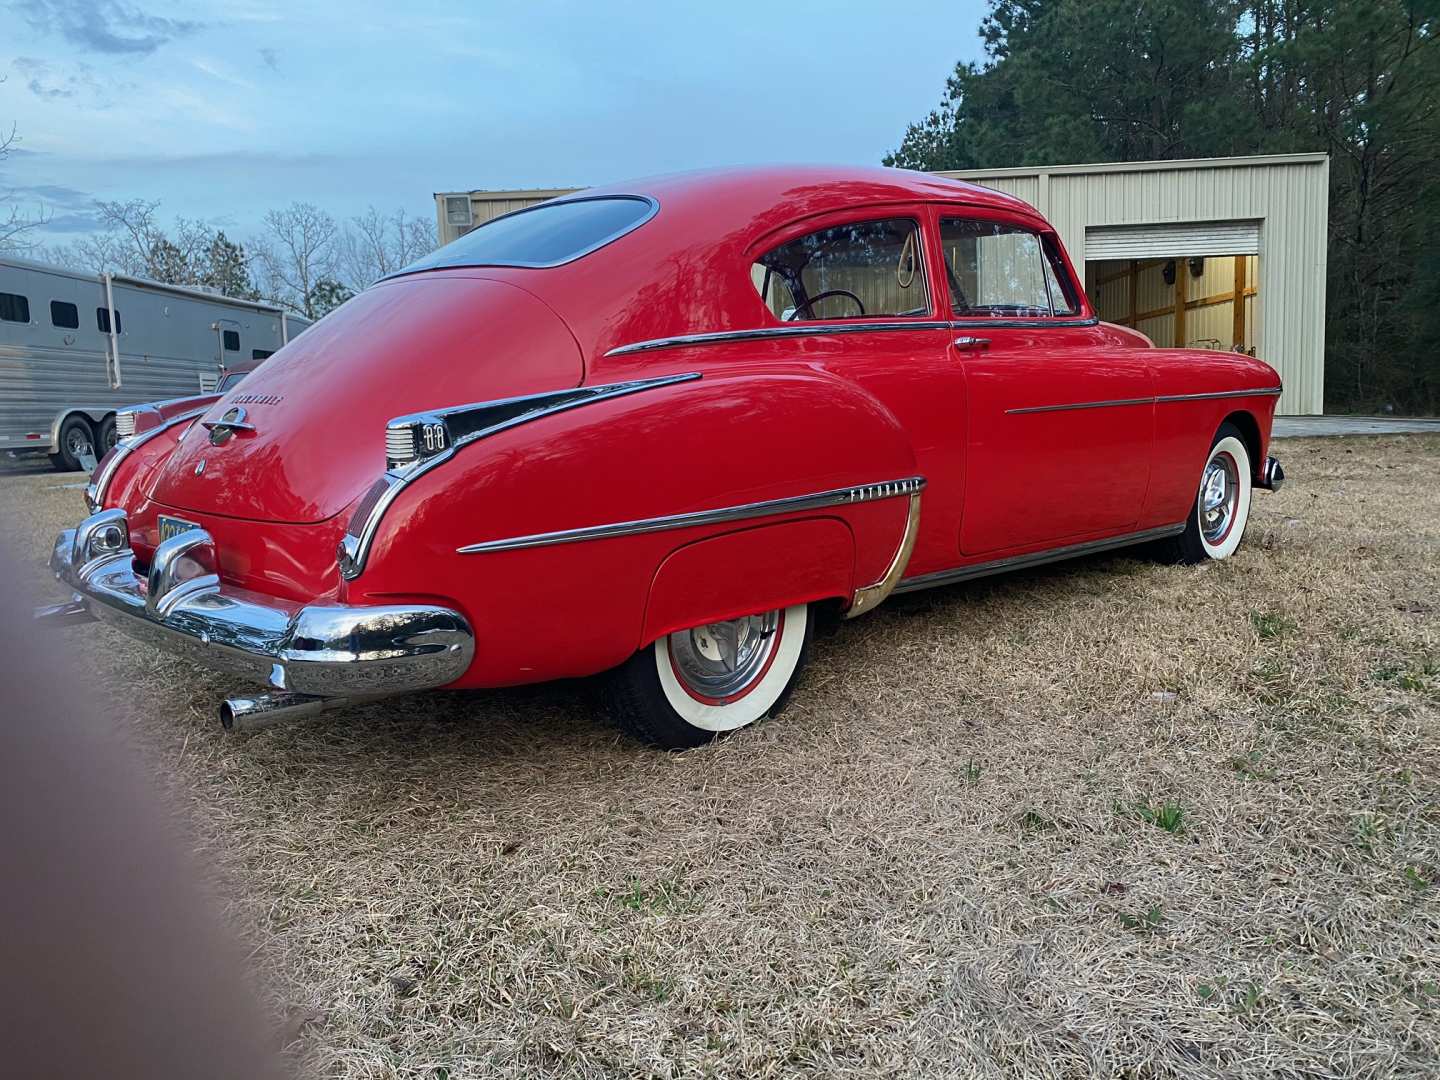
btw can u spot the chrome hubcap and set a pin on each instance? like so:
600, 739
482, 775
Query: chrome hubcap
1219, 495
723, 659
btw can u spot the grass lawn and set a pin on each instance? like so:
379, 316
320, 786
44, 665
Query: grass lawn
1103, 818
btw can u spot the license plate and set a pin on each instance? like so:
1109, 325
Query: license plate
170, 526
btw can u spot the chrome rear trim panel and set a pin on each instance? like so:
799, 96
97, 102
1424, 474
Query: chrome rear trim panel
469, 420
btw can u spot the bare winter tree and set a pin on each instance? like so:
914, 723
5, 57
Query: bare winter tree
15, 224
376, 244
299, 253
191, 252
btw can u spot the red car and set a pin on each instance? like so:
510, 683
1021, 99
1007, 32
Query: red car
656, 430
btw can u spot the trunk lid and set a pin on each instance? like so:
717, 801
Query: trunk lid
318, 407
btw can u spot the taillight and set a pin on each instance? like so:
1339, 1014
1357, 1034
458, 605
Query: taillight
413, 439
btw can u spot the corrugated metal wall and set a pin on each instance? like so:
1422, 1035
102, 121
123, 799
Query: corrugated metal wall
1287, 194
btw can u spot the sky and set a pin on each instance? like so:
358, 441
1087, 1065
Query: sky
223, 110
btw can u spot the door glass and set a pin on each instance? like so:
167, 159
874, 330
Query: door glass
996, 270
867, 268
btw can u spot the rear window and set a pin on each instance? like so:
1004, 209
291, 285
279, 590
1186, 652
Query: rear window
545, 235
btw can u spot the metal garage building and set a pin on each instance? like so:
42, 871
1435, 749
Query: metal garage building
1222, 253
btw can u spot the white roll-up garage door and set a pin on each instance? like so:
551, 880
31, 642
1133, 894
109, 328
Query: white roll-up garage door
1172, 240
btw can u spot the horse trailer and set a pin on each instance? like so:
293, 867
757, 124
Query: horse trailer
74, 347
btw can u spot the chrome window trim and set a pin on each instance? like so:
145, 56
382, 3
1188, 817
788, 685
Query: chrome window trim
888, 489
1034, 558
1162, 399
820, 329
95, 490
1043, 322
650, 201
355, 546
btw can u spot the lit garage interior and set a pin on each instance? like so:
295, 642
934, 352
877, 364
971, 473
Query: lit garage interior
1196, 301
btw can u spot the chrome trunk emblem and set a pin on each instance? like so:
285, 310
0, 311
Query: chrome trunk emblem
200, 466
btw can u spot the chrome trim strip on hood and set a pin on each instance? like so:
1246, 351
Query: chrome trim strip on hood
473, 422
888, 489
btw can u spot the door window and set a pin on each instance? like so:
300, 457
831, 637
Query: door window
867, 268
997, 270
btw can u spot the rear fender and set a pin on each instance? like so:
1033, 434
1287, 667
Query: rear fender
551, 610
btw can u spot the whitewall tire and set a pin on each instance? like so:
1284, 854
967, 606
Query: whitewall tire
1222, 504
694, 685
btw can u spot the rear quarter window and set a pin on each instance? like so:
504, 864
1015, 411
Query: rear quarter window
549, 234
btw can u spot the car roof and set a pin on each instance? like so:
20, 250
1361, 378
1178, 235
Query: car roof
790, 191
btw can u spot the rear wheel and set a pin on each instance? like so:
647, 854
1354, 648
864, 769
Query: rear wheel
692, 686
77, 444
1222, 506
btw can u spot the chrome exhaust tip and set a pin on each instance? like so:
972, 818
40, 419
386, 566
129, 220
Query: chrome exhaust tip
70, 613
239, 715
1272, 476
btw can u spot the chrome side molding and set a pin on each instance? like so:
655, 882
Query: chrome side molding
888, 489
1163, 399
821, 329
1036, 558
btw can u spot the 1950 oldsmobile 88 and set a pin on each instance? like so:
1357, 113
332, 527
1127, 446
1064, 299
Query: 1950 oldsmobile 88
658, 428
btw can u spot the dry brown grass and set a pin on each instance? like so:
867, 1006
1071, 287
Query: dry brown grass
936, 863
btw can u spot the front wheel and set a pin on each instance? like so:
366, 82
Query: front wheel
1222, 507
694, 685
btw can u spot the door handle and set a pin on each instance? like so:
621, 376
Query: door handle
969, 344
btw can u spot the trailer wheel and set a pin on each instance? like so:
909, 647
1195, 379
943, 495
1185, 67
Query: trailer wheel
108, 437
77, 442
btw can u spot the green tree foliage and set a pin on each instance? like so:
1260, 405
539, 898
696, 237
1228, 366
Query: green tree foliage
227, 268
325, 296
1067, 81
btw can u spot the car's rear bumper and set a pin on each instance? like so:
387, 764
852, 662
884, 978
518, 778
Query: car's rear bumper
328, 650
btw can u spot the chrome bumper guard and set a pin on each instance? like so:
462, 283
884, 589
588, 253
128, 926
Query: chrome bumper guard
312, 649
1272, 476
